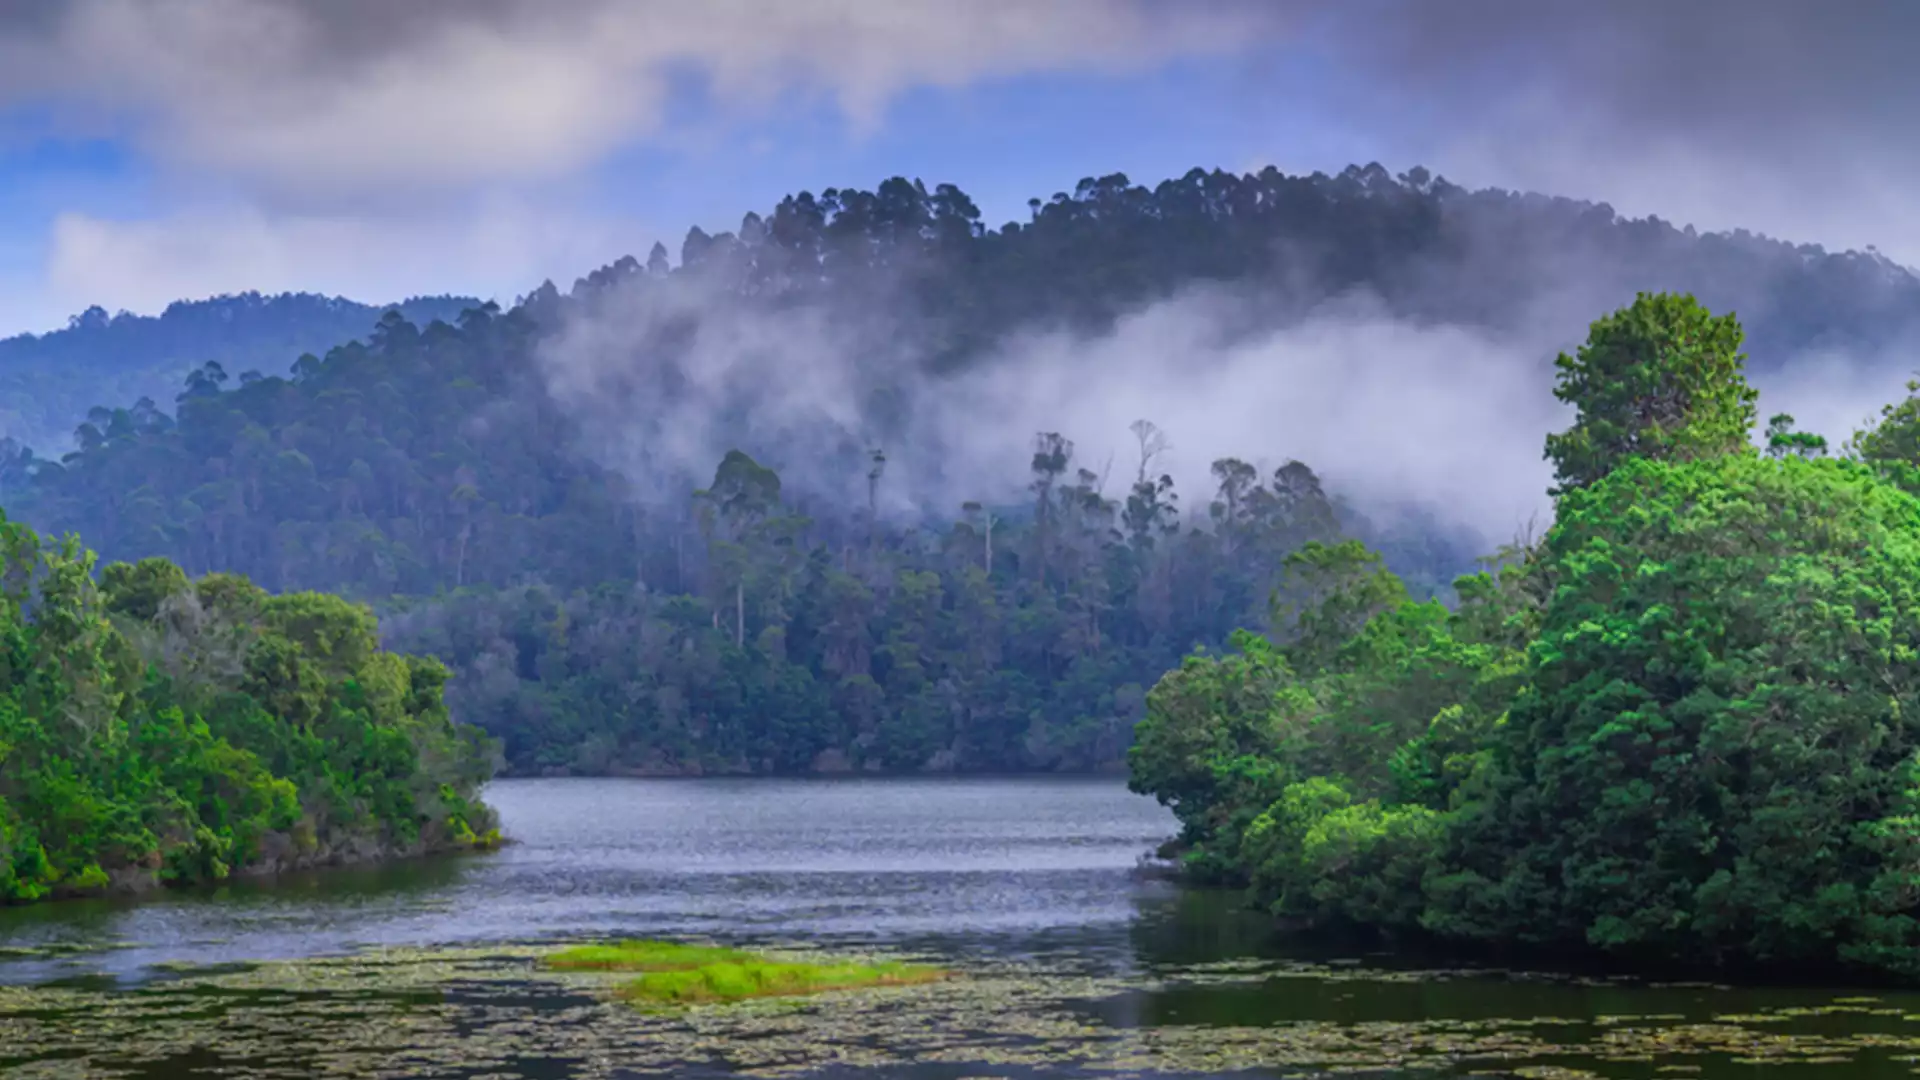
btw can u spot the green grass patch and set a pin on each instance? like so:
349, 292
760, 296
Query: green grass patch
644, 956
673, 974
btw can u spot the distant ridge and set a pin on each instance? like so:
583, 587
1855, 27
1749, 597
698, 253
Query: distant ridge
48, 381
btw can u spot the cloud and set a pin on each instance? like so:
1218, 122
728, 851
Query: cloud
667, 377
328, 99
499, 250
1394, 413
1388, 412
1835, 394
1778, 115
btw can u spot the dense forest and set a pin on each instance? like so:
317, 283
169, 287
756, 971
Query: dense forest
1679, 726
48, 382
610, 601
160, 730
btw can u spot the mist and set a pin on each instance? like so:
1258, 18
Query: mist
1397, 415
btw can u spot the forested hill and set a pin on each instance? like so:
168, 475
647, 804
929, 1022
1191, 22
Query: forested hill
521, 489
49, 381
1428, 249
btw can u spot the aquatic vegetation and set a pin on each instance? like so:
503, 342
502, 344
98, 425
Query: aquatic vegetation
502, 1011
755, 979
672, 973
643, 956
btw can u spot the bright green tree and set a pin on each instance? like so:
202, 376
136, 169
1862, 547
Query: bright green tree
1716, 755
1661, 378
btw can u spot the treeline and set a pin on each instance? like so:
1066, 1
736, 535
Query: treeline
431, 469
1680, 728
731, 631
1019, 637
1427, 249
158, 730
49, 381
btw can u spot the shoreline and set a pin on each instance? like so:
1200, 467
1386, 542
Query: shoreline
139, 882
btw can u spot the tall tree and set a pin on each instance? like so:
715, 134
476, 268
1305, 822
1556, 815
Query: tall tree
1662, 378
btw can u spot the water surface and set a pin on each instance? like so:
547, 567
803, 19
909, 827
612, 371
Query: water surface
1072, 964
991, 863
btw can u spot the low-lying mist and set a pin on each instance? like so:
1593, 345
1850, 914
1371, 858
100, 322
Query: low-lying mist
1397, 415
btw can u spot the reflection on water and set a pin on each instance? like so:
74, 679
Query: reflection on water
1074, 965
993, 863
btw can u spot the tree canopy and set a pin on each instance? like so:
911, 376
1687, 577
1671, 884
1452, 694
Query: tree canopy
160, 730
1678, 729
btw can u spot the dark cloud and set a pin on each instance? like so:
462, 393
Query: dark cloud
1788, 115
1781, 115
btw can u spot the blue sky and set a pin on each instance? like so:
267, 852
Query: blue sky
159, 149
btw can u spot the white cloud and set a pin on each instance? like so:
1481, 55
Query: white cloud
1389, 412
503, 249
328, 99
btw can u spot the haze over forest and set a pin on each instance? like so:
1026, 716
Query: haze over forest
919, 472
518, 489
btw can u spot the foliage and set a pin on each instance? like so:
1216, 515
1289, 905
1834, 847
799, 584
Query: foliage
155, 729
1658, 379
1716, 736
792, 653
1783, 439
600, 620
1679, 728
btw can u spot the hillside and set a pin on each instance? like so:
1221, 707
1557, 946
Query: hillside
49, 381
545, 498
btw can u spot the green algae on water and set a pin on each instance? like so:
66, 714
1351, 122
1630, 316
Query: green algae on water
502, 1010
673, 973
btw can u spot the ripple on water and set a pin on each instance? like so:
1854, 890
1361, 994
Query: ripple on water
1072, 966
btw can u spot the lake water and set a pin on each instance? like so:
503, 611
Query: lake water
1070, 963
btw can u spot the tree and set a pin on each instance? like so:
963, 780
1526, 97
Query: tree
1330, 593
743, 495
1713, 757
1051, 455
1662, 379
987, 520
877, 465
1892, 446
179, 731
1783, 440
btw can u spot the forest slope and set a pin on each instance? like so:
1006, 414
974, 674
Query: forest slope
523, 492
49, 381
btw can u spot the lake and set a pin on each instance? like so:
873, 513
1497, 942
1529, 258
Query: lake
1071, 964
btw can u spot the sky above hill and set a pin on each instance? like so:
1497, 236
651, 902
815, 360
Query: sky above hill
158, 149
